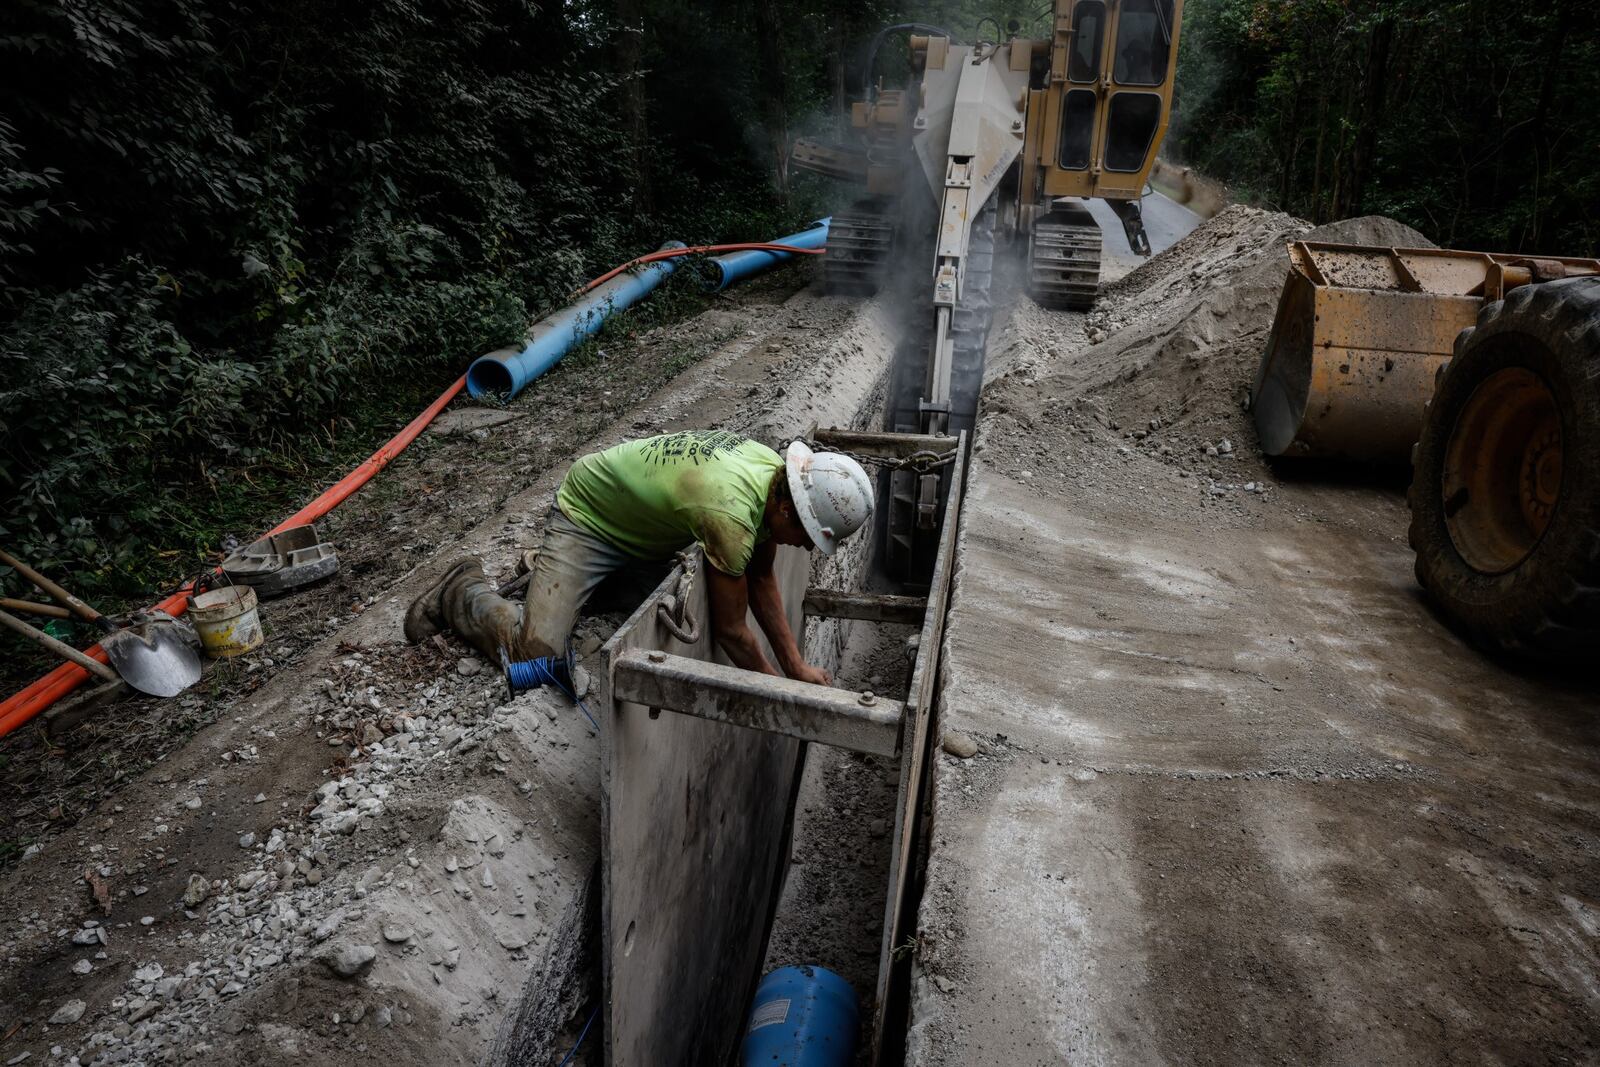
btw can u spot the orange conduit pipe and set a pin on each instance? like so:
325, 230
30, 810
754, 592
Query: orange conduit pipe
21, 707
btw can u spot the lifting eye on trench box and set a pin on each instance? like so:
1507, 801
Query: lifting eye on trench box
698, 804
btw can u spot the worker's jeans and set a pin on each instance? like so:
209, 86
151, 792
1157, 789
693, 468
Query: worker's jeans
571, 563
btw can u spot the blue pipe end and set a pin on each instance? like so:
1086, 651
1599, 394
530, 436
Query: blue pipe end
804, 1016
489, 376
504, 373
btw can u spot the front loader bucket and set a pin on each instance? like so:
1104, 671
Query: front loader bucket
1358, 339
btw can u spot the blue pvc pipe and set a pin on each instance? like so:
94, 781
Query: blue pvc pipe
802, 1017
737, 266
507, 371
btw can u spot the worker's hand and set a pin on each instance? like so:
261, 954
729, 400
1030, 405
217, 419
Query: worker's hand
815, 675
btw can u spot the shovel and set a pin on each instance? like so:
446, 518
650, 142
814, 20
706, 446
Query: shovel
151, 656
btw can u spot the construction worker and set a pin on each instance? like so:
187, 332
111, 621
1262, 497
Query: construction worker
646, 500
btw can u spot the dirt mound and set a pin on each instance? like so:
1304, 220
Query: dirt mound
1162, 366
1178, 340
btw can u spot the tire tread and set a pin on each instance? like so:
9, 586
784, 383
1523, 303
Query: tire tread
1563, 624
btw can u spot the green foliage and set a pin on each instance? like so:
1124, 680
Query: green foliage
229, 230
1472, 120
240, 240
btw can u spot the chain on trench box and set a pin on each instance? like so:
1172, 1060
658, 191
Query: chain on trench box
673, 609
922, 461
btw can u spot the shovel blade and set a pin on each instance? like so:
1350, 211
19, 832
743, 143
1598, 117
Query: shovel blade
153, 658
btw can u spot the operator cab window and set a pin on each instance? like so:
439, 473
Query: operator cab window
1144, 42
1088, 36
1131, 130
1077, 129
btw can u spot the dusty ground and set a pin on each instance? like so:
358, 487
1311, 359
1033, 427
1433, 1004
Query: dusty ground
1238, 795
365, 851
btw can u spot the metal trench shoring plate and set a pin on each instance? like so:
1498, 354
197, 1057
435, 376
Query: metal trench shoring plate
916, 743
695, 820
700, 771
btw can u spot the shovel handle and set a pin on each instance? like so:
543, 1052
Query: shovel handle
60, 648
55, 590
28, 607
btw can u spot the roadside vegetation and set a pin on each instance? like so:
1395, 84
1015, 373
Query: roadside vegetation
1472, 120
240, 243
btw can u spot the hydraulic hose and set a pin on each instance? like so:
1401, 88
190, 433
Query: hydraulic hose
780, 249
738, 265
877, 43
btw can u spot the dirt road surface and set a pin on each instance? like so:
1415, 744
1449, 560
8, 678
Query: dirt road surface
1238, 795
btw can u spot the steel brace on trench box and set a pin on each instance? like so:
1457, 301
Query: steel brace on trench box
696, 817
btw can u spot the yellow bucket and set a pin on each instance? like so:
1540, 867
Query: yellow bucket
226, 621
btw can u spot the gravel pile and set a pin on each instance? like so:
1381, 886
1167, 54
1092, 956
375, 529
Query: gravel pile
303, 898
1149, 391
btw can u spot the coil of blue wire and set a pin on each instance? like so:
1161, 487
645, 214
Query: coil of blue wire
556, 671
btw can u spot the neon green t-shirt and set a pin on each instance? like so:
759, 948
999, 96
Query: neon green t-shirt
653, 497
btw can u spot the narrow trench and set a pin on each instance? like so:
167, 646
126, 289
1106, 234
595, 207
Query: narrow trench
831, 911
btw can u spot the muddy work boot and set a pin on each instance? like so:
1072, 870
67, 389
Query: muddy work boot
470, 605
425, 616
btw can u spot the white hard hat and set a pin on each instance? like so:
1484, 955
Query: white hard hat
832, 494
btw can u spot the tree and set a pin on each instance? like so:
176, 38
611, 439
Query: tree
630, 50
1471, 119
773, 83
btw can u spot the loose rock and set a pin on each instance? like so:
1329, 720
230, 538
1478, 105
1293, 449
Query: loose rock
959, 745
347, 960
198, 890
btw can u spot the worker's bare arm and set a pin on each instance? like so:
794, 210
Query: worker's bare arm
766, 602
730, 601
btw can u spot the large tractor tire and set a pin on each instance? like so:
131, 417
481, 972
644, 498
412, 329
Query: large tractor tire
1505, 491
